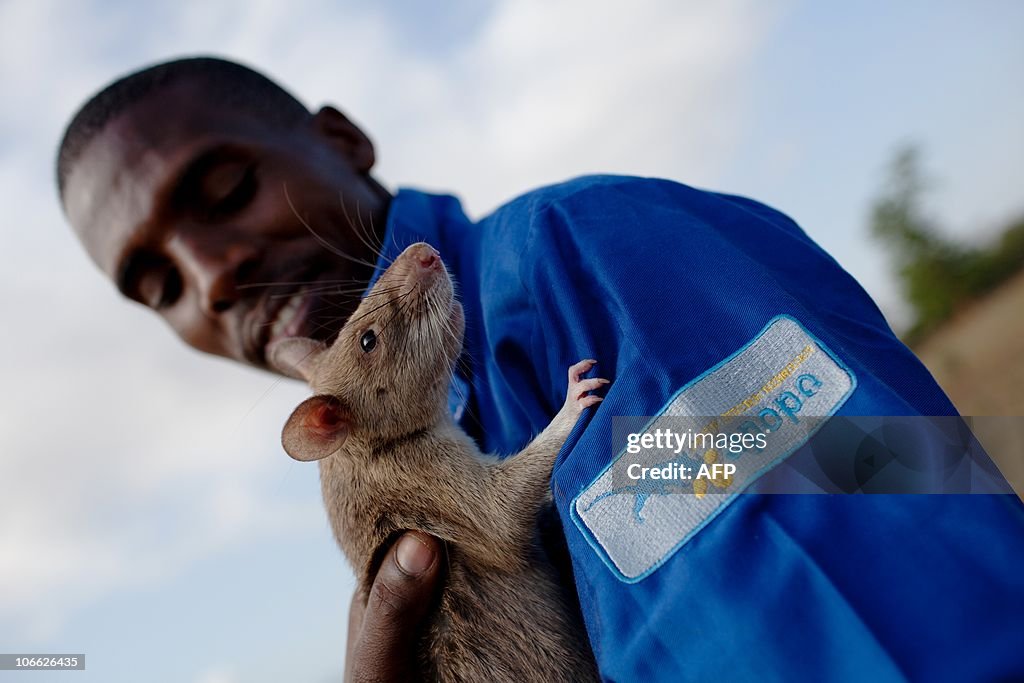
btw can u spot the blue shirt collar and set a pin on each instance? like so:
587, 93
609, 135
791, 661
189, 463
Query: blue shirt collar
415, 216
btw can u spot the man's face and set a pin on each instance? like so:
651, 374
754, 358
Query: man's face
198, 212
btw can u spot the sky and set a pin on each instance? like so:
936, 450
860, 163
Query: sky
148, 515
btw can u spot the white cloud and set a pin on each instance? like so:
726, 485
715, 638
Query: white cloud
125, 458
217, 675
550, 90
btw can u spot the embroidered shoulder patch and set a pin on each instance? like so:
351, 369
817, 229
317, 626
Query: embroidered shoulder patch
763, 390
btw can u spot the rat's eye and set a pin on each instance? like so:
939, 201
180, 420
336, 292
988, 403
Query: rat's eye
368, 341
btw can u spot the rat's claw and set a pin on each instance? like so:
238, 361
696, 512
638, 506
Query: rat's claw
576, 370
578, 394
584, 385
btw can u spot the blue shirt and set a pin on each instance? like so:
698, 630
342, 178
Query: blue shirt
688, 299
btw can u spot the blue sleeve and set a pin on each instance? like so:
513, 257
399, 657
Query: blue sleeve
684, 293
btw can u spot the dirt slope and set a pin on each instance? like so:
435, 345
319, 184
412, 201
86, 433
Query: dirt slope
978, 358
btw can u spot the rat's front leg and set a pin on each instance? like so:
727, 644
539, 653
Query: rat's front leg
543, 450
522, 480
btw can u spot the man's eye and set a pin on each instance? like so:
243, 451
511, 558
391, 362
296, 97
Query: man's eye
150, 279
226, 188
171, 290
160, 288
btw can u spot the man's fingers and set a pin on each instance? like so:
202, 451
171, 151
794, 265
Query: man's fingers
401, 593
401, 596
355, 627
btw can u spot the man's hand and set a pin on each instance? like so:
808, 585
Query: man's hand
383, 632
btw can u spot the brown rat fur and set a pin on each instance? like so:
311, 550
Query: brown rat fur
392, 459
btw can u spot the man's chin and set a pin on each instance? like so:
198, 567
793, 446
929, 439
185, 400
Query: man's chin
311, 322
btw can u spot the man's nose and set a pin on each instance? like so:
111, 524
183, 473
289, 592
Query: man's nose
216, 268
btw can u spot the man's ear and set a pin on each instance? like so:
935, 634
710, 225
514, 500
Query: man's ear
295, 357
317, 428
346, 137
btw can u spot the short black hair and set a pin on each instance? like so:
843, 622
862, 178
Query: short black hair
229, 84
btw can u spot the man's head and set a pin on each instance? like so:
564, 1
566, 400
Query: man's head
197, 185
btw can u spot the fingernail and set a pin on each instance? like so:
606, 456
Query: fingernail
413, 555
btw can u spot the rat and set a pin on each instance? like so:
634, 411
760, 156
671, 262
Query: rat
392, 459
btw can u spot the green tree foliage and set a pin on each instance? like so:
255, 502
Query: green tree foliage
938, 275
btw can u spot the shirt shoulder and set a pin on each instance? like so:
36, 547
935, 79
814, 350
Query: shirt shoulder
608, 207
582, 190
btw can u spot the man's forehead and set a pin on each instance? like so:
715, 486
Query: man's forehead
112, 185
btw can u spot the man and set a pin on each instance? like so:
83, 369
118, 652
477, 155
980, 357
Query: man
205, 192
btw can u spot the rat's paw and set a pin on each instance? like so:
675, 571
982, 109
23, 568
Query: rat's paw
577, 397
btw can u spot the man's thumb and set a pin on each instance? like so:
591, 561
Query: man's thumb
401, 596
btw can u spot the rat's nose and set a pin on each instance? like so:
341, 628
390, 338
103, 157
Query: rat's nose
427, 256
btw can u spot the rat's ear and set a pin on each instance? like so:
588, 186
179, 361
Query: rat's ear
317, 428
295, 356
